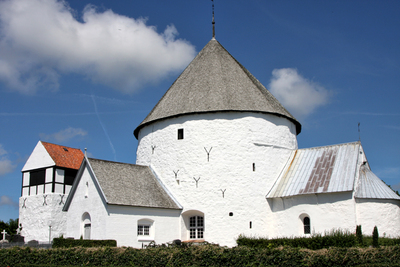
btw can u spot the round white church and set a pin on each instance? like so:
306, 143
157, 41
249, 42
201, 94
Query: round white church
217, 158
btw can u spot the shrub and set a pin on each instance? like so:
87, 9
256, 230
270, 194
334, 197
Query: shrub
334, 238
375, 237
359, 235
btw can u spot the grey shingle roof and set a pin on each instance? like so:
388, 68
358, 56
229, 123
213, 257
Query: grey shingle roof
213, 82
129, 184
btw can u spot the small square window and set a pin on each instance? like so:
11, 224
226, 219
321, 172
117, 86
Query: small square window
180, 134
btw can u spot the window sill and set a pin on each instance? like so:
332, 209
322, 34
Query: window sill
145, 239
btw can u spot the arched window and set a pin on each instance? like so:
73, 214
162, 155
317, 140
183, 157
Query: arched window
196, 227
86, 226
307, 225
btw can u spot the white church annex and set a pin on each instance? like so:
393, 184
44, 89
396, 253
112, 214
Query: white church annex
217, 158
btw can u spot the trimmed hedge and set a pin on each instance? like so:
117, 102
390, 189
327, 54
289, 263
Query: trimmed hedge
335, 238
70, 243
200, 255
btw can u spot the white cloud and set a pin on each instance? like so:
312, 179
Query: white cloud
7, 201
299, 95
6, 165
41, 39
2, 150
64, 135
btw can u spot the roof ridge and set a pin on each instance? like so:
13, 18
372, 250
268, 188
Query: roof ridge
327, 146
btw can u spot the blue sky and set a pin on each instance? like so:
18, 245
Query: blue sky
84, 73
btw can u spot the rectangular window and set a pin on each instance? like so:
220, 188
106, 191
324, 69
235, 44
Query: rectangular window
143, 230
196, 227
180, 134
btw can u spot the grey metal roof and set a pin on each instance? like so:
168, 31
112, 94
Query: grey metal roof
318, 170
213, 82
130, 184
370, 186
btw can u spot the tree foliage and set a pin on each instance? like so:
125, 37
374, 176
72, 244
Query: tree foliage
10, 227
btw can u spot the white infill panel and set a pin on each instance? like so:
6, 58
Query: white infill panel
40, 189
25, 191
49, 175
25, 180
32, 190
60, 176
48, 188
59, 188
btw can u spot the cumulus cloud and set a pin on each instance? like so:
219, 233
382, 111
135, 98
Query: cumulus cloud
7, 201
296, 93
41, 39
64, 135
6, 165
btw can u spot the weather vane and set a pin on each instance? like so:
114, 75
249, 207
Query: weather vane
213, 22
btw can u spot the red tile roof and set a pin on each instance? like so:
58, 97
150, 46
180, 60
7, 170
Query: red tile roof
64, 156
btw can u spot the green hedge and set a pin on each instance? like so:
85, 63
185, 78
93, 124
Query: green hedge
70, 243
200, 255
334, 238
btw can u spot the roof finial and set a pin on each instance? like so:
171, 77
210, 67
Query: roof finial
213, 22
85, 152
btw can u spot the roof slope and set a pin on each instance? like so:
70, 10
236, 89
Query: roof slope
215, 81
370, 186
129, 184
64, 156
319, 170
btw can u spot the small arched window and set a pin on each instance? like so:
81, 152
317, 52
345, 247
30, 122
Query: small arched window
86, 226
307, 225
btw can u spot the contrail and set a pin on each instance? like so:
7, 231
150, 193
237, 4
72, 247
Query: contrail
104, 128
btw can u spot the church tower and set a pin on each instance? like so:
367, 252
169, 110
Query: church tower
217, 140
47, 178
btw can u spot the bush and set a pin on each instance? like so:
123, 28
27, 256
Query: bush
359, 235
375, 237
334, 238
199, 255
69, 243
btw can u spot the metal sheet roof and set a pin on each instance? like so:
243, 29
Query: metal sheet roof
318, 170
370, 186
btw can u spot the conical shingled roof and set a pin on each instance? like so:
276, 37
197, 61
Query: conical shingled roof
213, 82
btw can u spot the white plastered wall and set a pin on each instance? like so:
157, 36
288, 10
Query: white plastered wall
227, 181
37, 212
87, 199
383, 213
326, 212
117, 222
123, 222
